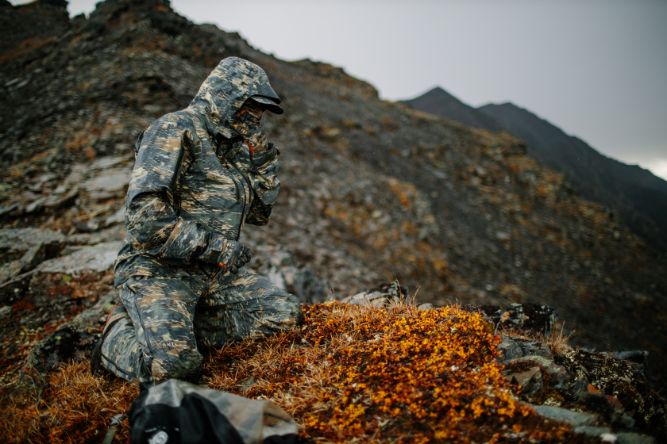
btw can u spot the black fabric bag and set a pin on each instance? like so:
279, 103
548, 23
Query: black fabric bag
177, 412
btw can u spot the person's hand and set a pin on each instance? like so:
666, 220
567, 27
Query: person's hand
234, 257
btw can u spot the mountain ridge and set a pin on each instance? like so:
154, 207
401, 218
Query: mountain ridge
621, 187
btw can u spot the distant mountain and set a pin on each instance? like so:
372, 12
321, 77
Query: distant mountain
440, 102
637, 196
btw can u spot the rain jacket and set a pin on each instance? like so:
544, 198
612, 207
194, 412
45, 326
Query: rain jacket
196, 181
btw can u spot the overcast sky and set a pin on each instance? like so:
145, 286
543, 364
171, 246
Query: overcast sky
595, 68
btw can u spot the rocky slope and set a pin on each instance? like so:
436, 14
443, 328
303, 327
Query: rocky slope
632, 193
372, 191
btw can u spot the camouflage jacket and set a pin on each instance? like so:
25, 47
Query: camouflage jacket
195, 181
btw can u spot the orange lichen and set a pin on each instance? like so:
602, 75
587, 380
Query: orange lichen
368, 374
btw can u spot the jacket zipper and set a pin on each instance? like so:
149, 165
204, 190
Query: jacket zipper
243, 191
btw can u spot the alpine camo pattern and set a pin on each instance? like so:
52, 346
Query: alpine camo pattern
200, 174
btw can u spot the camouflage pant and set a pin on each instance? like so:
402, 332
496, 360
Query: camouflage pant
166, 319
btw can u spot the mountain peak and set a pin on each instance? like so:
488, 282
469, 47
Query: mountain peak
437, 93
440, 102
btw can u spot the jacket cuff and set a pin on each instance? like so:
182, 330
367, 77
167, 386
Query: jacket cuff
261, 158
216, 250
184, 241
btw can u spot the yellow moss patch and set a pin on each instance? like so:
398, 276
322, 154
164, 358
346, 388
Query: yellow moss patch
367, 374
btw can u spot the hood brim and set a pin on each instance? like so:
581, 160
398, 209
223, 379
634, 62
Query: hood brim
268, 103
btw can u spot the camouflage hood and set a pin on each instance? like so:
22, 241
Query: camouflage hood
229, 85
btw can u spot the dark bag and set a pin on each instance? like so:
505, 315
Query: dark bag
177, 412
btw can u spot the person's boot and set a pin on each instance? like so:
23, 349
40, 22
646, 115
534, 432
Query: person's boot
96, 367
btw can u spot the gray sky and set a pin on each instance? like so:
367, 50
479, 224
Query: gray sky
595, 68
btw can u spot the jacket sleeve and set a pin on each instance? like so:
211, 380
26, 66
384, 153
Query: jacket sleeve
261, 168
152, 214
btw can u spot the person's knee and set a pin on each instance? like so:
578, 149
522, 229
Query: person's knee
284, 310
118, 350
170, 363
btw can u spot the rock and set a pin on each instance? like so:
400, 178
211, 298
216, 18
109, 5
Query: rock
15, 288
74, 338
527, 317
530, 380
24, 249
5, 311
556, 375
55, 349
633, 438
513, 347
108, 184
103, 163
307, 285
57, 200
629, 400
96, 258
114, 233
383, 296
116, 218
10, 270
29, 203
302, 282
90, 320
30, 259
592, 430
560, 414
15, 241
12, 209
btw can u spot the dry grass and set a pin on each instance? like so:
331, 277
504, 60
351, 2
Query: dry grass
350, 373
558, 341
75, 407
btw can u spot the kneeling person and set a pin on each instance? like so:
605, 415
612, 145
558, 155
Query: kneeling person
200, 174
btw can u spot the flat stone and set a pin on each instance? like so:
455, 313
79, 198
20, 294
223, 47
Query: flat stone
57, 200
113, 180
116, 218
22, 239
104, 163
592, 430
557, 376
114, 233
515, 347
633, 438
575, 419
97, 258
529, 380
382, 296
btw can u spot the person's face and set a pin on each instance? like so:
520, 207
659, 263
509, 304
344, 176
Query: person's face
247, 120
